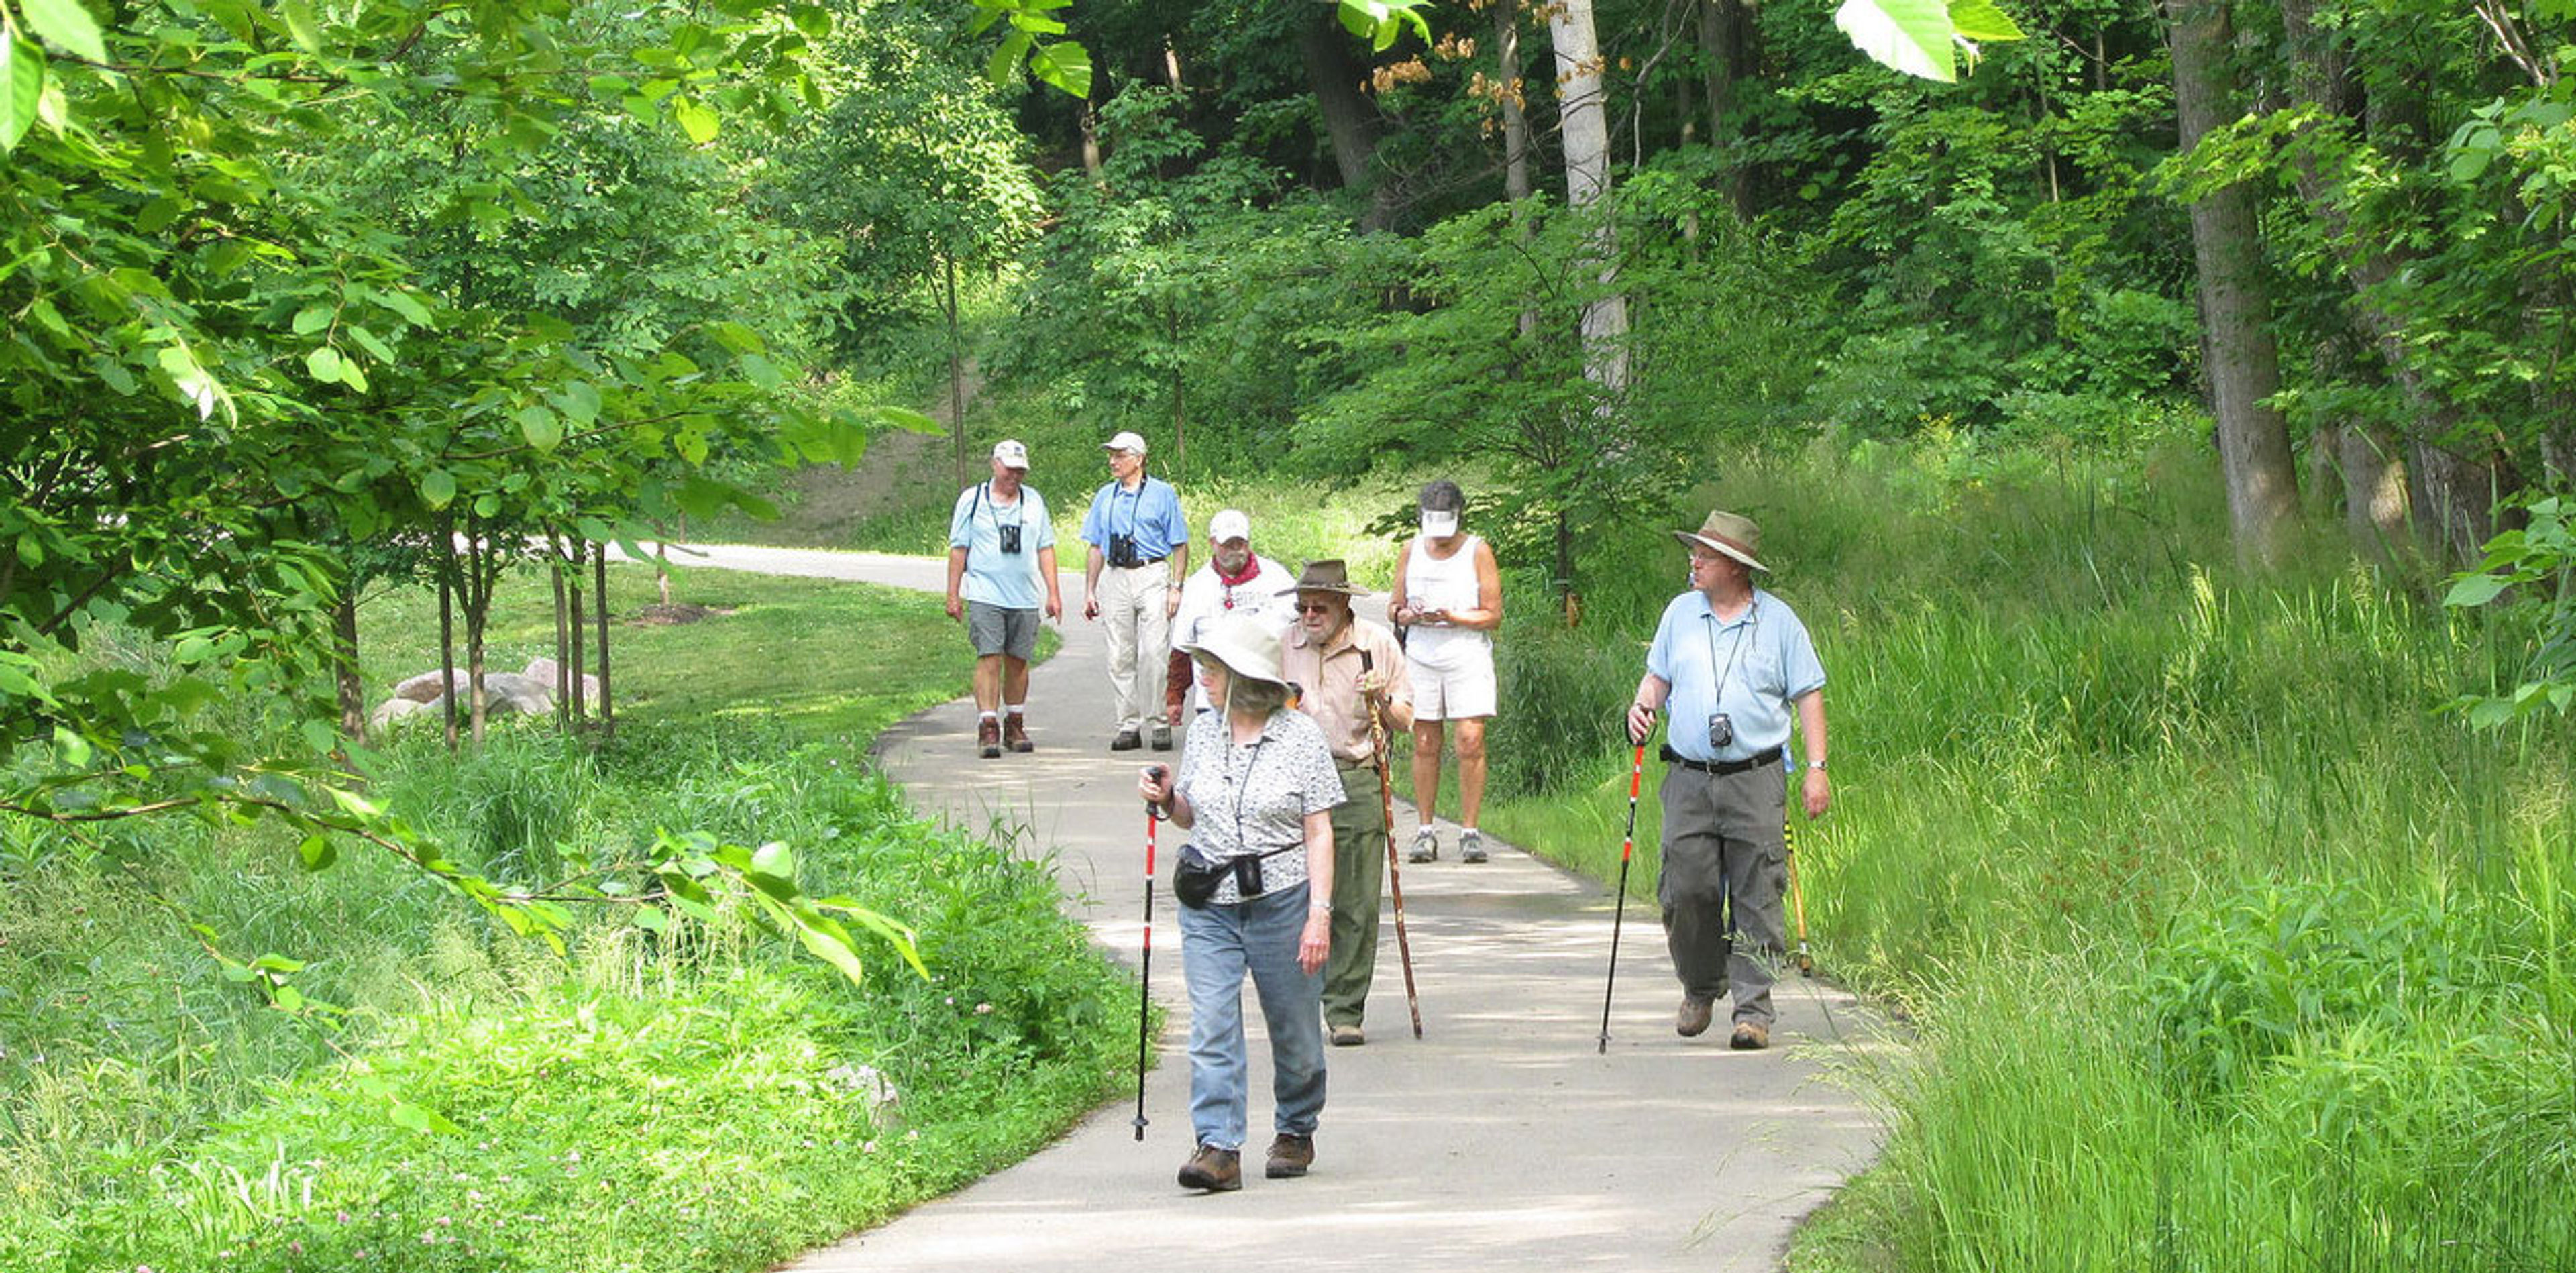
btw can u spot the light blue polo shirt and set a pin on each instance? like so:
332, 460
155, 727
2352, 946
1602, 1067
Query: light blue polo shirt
994, 577
1151, 513
1774, 664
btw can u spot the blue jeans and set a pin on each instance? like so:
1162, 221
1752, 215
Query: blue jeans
1218, 945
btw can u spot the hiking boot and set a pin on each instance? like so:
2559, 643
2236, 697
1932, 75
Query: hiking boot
1015, 733
1692, 1020
1348, 1036
1289, 1156
1212, 1169
1162, 736
1471, 847
988, 738
1426, 846
1127, 740
1750, 1036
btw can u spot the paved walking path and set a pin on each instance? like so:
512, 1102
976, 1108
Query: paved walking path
1502, 1139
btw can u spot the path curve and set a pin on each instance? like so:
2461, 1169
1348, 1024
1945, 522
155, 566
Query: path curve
1501, 1140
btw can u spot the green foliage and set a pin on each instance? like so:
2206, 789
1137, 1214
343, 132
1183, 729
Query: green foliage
2529, 578
697, 1097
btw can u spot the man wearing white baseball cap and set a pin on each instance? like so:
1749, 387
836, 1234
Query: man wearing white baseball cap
1235, 580
1140, 552
1001, 560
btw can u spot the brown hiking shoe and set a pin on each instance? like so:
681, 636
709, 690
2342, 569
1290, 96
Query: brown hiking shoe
1289, 1156
1750, 1036
1692, 1020
1212, 1169
1015, 733
988, 738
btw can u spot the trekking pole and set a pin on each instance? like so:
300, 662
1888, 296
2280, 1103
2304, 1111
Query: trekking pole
1145, 981
1394, 873
1789, 853
1627, 848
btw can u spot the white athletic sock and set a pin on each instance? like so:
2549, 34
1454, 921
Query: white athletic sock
987, 715
1018, 708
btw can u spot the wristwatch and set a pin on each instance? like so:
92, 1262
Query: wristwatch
1815, 764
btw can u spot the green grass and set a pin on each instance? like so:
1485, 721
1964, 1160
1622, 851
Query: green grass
696, 1101
2225, 945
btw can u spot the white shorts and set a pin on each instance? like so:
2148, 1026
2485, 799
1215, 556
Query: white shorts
1459, 687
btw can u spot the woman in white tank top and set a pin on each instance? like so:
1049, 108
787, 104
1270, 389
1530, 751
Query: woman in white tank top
1449, 600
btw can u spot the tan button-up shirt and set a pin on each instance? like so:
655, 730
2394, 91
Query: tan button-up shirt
1331, 679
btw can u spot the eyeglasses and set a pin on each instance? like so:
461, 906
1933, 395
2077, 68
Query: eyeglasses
1314, 607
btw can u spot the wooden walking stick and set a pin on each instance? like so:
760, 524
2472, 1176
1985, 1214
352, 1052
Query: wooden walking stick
1145, 980
1627, 848
1394, 873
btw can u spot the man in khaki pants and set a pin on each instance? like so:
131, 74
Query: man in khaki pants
1350, 669
1140, 552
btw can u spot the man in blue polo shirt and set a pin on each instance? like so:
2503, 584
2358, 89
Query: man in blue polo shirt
1140, 552
1731, 661
1001, 558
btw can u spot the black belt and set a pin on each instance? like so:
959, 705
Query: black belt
1150, 561
1719, 767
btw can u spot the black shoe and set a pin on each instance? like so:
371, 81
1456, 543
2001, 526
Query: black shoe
1290, 1156
1212, 1169
1750, 1036
1162, 737
1126, 741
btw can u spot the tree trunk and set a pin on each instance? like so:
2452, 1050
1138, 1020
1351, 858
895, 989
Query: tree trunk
1516, 129
1091, 143
1726, 44
2235, 301
1350, 119
1584, 121
344, 662
572, 674
956, 374
607, 705
566, 632
1180, 416
446, 559
2443, 492
478, 608
2375, 507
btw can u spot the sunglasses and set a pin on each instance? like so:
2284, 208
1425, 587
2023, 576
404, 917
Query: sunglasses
1314, 607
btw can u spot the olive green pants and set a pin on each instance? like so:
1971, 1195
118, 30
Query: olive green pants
1359, 870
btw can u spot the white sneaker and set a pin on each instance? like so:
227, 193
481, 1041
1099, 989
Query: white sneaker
1471, 847
1426, 846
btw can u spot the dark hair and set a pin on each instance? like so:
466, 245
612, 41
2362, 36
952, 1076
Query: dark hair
1443, 496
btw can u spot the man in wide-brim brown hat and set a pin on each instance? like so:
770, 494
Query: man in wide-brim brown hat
1732, 663
1350, 669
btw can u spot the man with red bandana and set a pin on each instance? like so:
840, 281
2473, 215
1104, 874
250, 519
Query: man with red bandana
1234, 579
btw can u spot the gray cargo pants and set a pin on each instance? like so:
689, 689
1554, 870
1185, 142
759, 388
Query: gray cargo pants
1724, 877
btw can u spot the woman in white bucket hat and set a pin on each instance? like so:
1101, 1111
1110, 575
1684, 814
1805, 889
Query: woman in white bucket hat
1257, 786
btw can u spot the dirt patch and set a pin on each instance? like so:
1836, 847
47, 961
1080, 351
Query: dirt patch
670, 614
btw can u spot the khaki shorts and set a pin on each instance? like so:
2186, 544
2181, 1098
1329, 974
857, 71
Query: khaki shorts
999, 630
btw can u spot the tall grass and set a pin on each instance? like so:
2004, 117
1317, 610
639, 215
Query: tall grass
2228, 947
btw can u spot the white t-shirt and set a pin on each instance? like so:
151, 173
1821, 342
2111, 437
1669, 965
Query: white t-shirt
1269, 593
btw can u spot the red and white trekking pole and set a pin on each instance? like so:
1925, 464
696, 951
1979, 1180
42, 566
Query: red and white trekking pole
1627, 849
1145, 979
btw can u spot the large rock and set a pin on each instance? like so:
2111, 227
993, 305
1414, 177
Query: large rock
508, 694
548, 673
394, 709
428, 687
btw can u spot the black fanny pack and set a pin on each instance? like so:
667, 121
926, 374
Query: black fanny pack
1195, 875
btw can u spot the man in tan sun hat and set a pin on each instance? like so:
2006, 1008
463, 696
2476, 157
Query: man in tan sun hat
1731, 661
1349, 668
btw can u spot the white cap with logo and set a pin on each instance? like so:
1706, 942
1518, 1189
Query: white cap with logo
1011, 455
1229, 526
1127, 440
